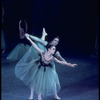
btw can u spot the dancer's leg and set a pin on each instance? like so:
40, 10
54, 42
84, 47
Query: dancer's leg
44, 34
32, 93
55, 93
34, 38
39, 97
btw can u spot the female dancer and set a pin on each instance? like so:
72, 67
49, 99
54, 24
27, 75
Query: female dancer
40, 74
18, 52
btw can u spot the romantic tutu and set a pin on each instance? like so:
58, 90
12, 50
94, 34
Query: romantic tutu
34, 74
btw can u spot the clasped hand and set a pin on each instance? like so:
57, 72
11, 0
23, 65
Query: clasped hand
27, 36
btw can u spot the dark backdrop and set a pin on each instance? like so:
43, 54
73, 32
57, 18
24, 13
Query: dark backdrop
75, 21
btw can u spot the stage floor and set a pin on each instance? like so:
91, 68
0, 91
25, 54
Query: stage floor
80, 83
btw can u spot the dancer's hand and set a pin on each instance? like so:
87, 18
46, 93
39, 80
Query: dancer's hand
26, 35
74, 65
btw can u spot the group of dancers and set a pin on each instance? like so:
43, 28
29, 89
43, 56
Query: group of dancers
36, 66
36, 63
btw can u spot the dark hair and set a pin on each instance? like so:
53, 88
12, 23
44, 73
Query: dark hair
50, 46
52, 37
57, 37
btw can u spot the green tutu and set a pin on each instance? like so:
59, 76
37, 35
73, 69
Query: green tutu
28, 70
18, 52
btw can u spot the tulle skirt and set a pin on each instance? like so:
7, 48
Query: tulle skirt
18, 52
29, 72
43, 82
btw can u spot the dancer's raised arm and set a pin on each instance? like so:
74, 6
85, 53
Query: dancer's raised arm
20, 24
26, 26
34, 45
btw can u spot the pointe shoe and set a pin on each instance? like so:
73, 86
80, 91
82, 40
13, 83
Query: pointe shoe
57, 98
29, 99
39, 98
44, 32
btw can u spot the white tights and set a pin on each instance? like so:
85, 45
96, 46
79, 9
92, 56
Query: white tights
32, 93
39, 95
55, 93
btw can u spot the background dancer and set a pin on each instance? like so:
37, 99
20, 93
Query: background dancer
18, 52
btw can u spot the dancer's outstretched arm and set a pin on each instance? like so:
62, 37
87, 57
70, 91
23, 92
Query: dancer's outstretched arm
34, 45
64, 63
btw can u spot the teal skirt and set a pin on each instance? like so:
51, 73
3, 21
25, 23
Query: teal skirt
29, 72
18, 52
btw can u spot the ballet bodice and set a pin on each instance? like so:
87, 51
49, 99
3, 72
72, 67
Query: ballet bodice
44, 60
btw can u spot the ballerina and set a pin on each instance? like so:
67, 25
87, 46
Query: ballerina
23, 46
40, 74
